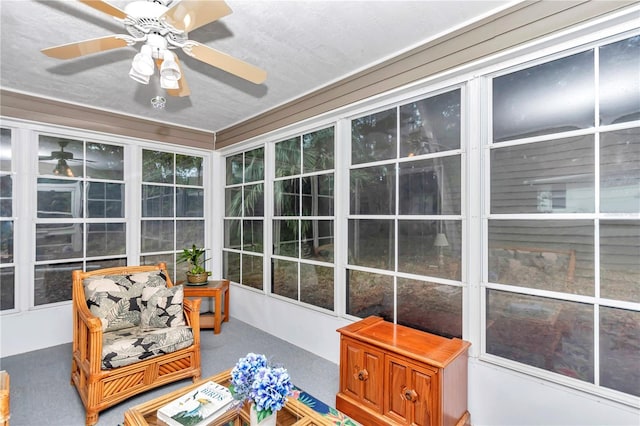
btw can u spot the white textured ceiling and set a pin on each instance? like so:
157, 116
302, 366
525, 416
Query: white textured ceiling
303, 45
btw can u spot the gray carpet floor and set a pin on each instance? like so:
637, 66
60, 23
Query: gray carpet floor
41, 391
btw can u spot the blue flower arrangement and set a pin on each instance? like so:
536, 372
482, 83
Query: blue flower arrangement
252, 379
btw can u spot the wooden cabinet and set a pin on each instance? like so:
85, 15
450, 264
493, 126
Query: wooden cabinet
395, 375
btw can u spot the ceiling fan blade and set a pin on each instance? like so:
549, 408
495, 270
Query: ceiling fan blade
225, 62
183, 88
188, 15
105, 7
85, 47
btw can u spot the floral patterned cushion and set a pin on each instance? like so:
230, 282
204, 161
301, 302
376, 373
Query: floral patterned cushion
130, 345
162, 307
115, 299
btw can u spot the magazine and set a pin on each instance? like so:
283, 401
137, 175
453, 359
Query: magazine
199, 407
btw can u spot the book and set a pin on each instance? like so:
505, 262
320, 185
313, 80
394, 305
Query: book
199, 407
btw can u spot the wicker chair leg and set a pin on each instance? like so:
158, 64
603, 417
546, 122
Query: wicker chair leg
92, 418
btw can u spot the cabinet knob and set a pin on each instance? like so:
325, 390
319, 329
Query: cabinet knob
409, 394
363, 375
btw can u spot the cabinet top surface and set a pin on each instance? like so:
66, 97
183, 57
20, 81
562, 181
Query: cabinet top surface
436, 350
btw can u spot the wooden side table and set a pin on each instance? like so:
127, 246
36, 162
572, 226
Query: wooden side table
216, 289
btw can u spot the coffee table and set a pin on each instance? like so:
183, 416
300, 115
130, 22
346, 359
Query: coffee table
294, 412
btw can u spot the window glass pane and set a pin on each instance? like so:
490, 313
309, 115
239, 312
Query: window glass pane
285, 278
234, 169
619, 260
554, 255
169, 259
434, 308
189, 202
373, 190
371, 243
285, 238
60, 157
254, 200
157, 166
369, 294
430, 125
7, 288
428, 187
105, 161
620, 81
111, 263
252, 235
252, 271
286, 197
104, 239
373, 137
59, 241
156, 235
316, 285
52, 283
188, 233
59, 199
254, 165
6, 194
552, 97
105, 199
554, 335
432, 248
317, 195
317, 240
157, 201
233, 201
232, 235
6, 241
619, 350
318, 150
288, 157
545, 177
188, 170
620, 171
231, 266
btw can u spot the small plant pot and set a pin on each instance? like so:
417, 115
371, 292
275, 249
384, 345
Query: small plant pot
197, 278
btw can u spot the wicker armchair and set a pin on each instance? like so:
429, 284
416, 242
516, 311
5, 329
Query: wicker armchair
114, 355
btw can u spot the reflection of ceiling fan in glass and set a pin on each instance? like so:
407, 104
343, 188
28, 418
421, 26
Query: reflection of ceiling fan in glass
63, 158
162, 26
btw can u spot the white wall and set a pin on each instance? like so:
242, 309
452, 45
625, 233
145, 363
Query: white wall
36, 329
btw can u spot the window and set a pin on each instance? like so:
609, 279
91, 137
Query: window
405, 215
303, 219
80, 218
563, 241
243, 250
172, 208
7, 261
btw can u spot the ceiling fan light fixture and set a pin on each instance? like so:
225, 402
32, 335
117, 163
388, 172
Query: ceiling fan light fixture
167, 83
140, 78
143, 62
62, 168
169, 69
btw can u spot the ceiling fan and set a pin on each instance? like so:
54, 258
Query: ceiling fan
63, 158
162, 26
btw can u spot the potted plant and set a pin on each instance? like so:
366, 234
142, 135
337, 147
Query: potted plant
195, 257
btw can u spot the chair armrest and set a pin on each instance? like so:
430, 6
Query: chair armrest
192, 314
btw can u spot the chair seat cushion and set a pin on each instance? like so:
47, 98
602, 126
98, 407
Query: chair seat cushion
130, 345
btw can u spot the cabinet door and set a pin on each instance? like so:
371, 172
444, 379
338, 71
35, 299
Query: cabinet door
411, 397
362, 375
